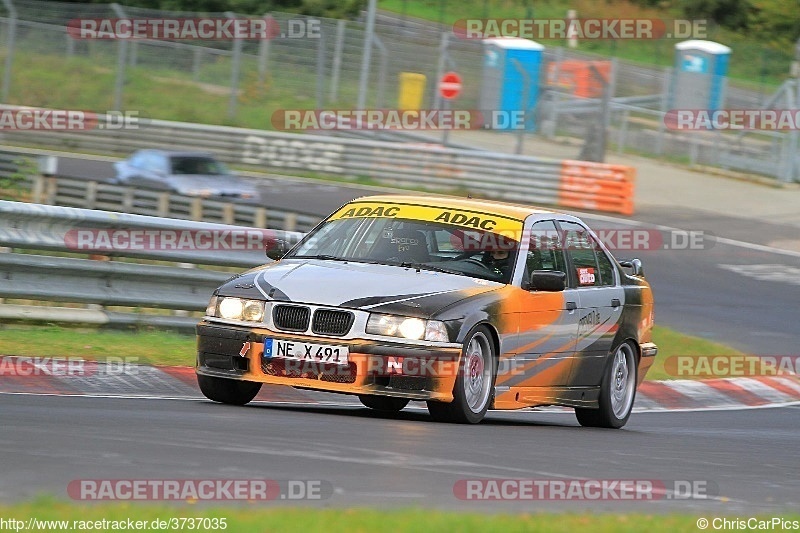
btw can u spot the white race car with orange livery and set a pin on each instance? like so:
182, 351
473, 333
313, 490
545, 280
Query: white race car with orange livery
467, 305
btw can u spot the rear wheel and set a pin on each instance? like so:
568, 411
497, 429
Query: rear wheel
383, 403
473, 388
617, 392
228, 391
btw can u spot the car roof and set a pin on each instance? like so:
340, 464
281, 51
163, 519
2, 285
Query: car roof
511, 210
176, 153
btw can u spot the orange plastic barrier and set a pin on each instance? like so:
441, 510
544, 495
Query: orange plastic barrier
597, 186
578, 77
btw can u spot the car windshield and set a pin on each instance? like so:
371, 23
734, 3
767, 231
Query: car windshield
420, 244
197, 165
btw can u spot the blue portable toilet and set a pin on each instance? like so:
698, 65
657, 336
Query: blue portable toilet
700, 75
503, 85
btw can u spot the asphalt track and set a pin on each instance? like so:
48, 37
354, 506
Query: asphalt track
747, 459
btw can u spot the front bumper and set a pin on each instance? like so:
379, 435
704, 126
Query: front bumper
420, 372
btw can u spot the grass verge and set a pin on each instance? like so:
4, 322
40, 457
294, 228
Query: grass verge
164, 348
352, 520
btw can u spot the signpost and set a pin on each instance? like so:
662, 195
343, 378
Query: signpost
449, 88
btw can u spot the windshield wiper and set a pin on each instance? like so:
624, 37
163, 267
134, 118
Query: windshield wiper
425, 266
327, 257
324, 257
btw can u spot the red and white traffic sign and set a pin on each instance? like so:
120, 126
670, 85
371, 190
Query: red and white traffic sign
450, 85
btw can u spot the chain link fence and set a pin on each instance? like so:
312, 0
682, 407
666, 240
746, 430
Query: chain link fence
323, 70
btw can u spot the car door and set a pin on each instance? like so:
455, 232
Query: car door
600, 301
543, 348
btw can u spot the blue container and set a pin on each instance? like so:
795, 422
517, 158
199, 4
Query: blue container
700, 78
504, 95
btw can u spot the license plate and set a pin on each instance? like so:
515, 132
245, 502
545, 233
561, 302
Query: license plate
306, 351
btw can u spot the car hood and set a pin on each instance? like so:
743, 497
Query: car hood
214, 184
382, 288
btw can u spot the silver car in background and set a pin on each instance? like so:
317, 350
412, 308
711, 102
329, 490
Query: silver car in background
186, 173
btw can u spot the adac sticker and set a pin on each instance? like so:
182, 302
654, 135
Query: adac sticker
586, 276
466, 219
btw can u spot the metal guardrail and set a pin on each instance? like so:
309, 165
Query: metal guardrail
501, 176
87, 194
100, 281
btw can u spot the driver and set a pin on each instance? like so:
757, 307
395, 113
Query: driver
500, 262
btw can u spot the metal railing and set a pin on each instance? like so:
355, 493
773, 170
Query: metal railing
494, 175
88, 194
83, 270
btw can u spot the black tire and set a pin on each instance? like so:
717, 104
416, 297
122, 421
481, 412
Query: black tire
383, 403
617, 392
478, 368
229, 391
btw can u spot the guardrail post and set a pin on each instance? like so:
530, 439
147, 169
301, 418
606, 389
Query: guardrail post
91, 195
37, 190
290, 222
51, 190
163, 204
196, 209
127, 199
260, 218
228, 212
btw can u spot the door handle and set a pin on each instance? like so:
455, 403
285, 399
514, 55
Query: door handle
571, 306
615, 302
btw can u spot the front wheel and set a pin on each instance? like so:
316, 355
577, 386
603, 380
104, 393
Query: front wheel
383, 403
229, 391
617, 392
473, 388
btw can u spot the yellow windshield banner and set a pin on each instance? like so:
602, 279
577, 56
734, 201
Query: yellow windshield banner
466, 219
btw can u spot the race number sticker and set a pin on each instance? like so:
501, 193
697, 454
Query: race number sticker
586, 276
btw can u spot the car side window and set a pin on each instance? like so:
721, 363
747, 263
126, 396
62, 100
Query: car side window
545, 249
137, 160
580, 247
148, 162
605, 266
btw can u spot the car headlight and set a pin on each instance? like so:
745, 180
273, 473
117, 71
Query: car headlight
406, 327
211, 308
253, 311
239, 309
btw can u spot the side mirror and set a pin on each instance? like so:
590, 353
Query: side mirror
635, 265
277, 249
547, 280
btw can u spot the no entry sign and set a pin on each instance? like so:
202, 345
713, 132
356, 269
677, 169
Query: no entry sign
450, 85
